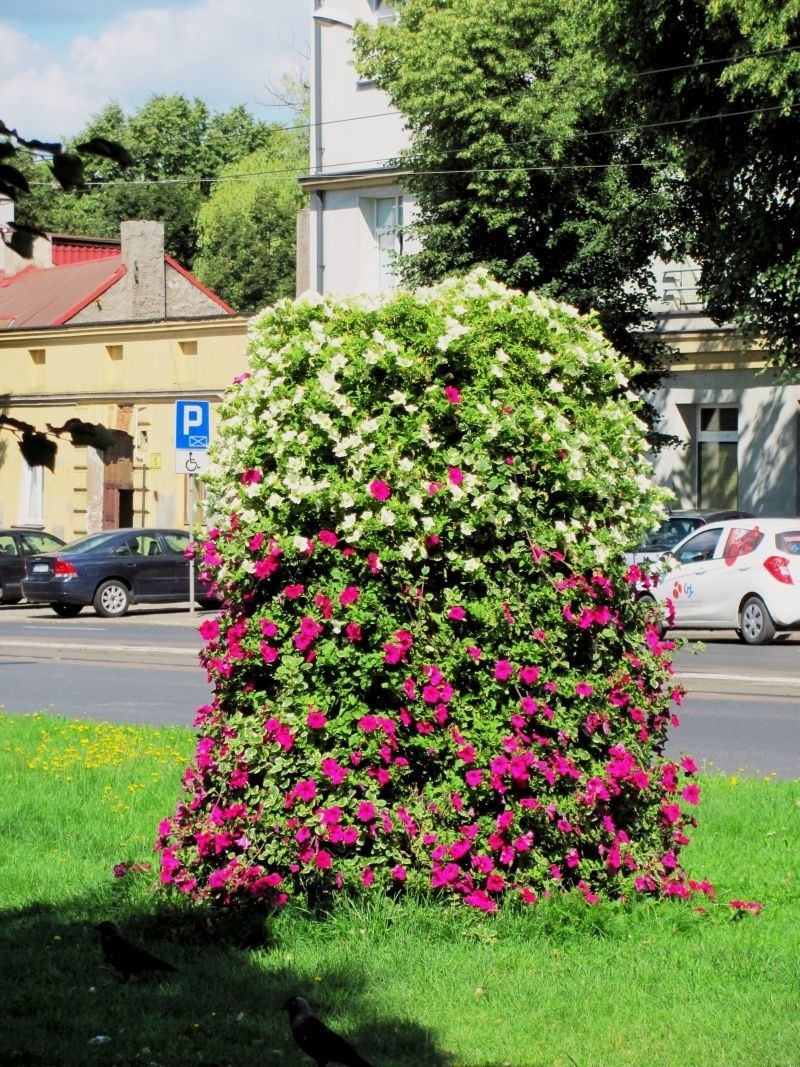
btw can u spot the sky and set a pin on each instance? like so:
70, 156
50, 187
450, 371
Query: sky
62, 61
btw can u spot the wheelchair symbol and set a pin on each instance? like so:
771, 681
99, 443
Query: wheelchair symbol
191, 465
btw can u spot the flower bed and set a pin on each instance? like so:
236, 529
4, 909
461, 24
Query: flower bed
431, 671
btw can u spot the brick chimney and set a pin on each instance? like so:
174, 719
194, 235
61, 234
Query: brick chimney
143, 259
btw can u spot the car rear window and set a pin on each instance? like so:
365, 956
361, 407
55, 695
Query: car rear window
789, 542
741, 542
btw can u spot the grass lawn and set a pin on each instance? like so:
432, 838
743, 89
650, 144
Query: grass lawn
563, 983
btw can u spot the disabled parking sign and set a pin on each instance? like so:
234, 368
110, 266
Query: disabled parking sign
192, 433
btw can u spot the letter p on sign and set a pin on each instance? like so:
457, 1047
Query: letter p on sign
192, 424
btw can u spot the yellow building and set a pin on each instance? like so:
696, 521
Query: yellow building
126, 373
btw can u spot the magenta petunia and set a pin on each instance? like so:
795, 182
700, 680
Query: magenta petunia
452, 394
457, 613
380, 490
365, 812
323, 859
315, 720
349, 595
251, 477
292, 592
456, 475
528, 675
583, 689
328, 538
502, 670
209, 629
691, 793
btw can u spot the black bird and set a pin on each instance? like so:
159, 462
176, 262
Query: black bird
316, 1039
125, 956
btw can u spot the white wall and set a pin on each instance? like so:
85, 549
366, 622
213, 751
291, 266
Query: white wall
355, 132
769, 432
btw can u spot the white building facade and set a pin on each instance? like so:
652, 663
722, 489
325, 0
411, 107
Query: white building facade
738, 425
355, 226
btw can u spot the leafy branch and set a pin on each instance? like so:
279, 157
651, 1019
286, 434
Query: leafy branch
38, 447
67, 167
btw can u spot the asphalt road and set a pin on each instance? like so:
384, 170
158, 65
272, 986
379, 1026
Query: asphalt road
741, 715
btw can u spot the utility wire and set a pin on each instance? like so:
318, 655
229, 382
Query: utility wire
391, 162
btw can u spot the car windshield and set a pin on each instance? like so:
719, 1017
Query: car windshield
93, 541
671, 530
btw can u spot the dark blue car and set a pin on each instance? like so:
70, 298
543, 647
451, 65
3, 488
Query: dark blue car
111, 571
15, 546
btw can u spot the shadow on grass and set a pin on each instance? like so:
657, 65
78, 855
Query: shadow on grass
63, 1006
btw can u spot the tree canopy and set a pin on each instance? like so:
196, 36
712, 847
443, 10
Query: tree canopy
178, 150
567, 146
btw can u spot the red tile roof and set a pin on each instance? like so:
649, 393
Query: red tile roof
51, 296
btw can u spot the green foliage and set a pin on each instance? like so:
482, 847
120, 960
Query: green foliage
178, 146
432, 672
247, 227
565, 145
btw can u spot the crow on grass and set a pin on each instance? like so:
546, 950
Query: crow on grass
127, 958
316, 1039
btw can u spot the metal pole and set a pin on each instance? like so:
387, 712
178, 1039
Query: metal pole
191, 534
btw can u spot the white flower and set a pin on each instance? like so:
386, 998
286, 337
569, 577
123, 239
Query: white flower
471, 565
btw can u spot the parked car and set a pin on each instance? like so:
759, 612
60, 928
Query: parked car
741, 575
112, 570
676, 526
15, 545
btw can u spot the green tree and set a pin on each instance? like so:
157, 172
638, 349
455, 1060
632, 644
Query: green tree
566, 145
178, 146
247, 231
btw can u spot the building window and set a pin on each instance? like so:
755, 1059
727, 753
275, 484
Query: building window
31, 497
717, 457
388, 230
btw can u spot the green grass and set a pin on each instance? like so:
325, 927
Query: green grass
661, 985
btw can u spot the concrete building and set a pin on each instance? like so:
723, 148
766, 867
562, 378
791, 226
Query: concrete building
355, 225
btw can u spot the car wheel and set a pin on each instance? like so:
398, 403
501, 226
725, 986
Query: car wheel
208, 602
755, 625
67, 611
112, 599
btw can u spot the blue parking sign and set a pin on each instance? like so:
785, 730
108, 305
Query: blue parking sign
192, 424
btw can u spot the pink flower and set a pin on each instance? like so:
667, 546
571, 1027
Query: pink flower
268, 652
250, 477
399, 873
457, 613
452, 394
366, 811
434, 487
528, 675
368, 876
456, 475
292, 592
474, 777
583, 689
353, 631
209, 629
306, 790
349, 595
256, 541
691, 794
502, 670
328, 538
315, 720
473, 652
323, 859
268, 629
379, 490
689, 765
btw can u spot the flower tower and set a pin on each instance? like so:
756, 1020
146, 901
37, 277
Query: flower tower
431, 672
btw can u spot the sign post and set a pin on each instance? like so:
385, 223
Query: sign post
192, 433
